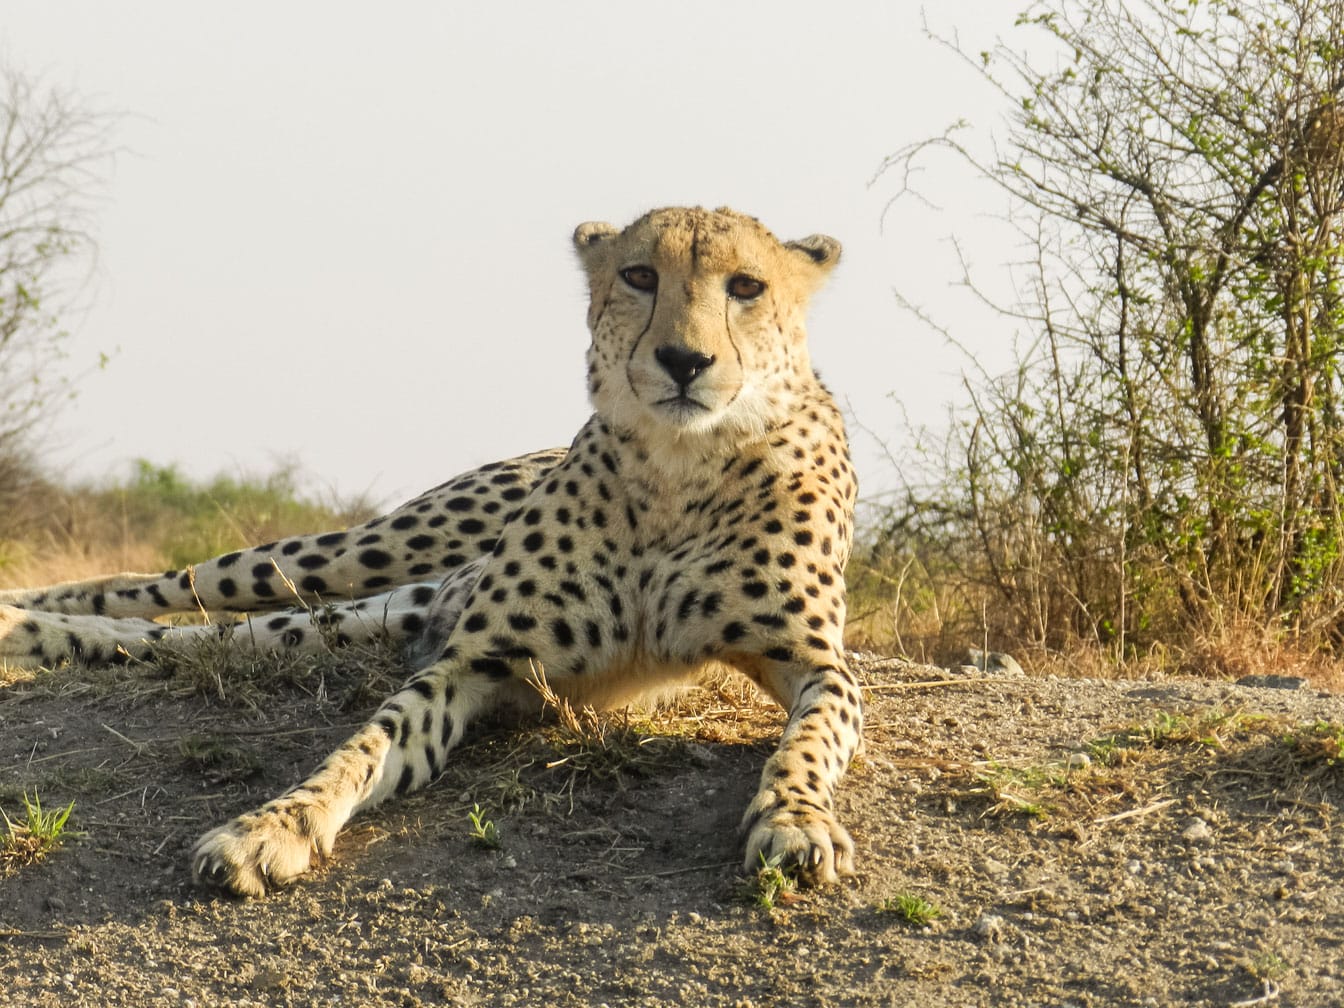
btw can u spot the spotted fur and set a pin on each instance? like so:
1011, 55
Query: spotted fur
701, 516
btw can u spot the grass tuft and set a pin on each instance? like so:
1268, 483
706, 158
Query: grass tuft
911, 908
484, 832
38, 834
770, 887
1318, 743
605, 745
231, 671
1266, 966
1210, 729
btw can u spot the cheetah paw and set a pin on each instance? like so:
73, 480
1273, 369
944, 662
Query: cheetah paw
253, 854
808, 841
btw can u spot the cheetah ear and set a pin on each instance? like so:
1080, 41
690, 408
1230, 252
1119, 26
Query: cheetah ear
824, 251
589, 239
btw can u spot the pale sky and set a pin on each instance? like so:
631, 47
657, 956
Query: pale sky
340, 231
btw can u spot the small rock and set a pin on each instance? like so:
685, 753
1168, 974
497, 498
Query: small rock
992, 867
1284, 682
995, 663
1197, 829
988, 927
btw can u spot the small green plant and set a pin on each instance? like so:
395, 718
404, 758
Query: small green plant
37, 835
1321, 742
1266, 966
1015, 788
770, 886
1210, 729
484, 833
915, 910
1167, 726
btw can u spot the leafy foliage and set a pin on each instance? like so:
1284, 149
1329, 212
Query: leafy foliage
1167, 459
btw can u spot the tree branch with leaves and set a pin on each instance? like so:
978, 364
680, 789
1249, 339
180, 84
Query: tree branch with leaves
1174, 440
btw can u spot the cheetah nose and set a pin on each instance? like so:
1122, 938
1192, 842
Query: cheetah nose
681, 364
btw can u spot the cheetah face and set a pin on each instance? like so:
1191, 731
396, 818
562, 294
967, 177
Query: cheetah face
697, 321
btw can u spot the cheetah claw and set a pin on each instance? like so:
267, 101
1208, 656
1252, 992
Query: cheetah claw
810, 842
251, 855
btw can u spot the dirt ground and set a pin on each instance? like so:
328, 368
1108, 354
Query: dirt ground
1087, 843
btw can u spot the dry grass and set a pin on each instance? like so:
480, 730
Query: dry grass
353, 677
154, 520
934, 618
1241, 650
54, 556
569, 748
1129, 771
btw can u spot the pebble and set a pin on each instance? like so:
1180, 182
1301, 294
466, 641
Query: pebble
988, 927
1283, 682
1197, 829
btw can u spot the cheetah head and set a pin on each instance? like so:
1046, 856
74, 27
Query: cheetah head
697, 323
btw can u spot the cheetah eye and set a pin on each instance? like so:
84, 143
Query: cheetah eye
745, 288
641, 278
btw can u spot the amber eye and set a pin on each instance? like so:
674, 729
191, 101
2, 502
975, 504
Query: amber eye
744, 288
640, 278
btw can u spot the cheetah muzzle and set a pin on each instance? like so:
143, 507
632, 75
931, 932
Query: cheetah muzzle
702, 515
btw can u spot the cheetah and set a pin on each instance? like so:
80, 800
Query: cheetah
702, 517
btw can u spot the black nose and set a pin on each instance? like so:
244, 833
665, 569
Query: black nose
681, 364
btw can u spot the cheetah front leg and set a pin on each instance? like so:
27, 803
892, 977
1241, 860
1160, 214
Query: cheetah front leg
791, 821
402, 748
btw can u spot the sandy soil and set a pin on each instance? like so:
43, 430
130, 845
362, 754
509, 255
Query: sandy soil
1088, 843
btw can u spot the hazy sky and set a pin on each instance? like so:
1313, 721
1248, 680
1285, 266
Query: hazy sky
340, 232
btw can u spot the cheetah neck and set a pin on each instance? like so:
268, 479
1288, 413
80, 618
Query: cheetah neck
664, 470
